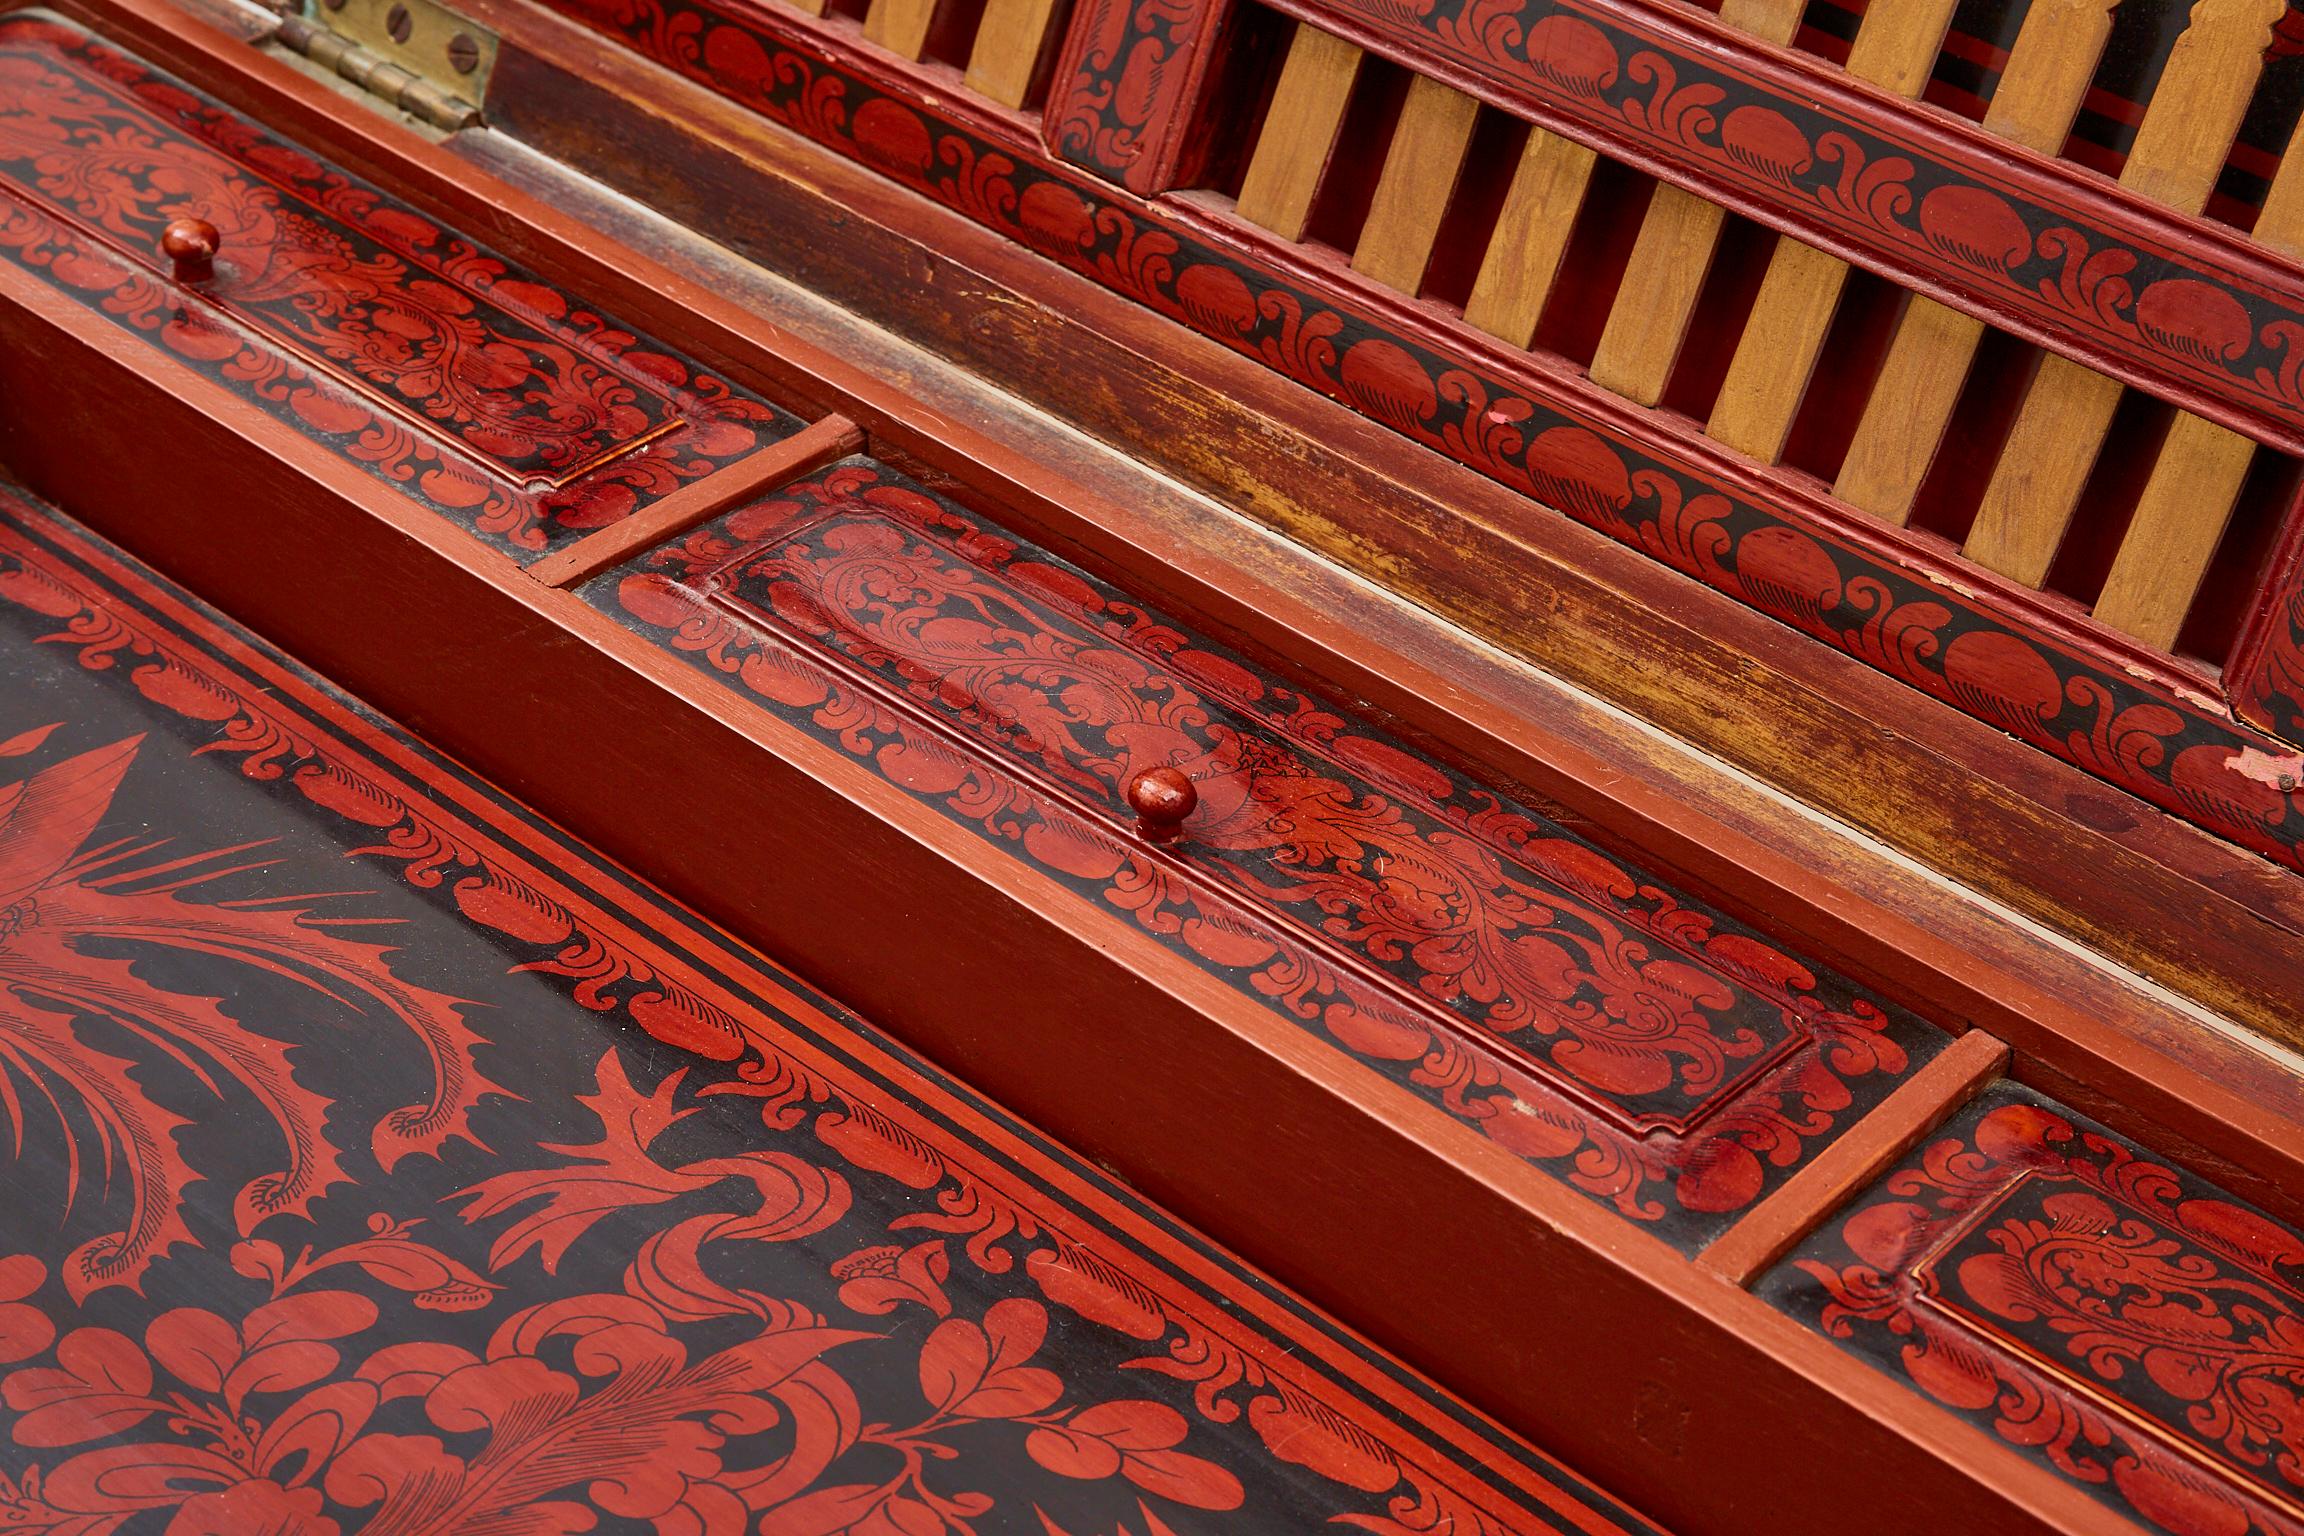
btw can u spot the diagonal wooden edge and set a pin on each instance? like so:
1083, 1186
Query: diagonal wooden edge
810, 448
1924, 1101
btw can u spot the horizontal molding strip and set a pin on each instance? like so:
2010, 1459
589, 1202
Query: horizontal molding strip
2185, 308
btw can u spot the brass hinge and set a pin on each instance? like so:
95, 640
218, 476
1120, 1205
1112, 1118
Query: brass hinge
414, 55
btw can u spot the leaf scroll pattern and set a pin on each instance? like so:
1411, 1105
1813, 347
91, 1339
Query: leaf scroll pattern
2112, 1316
1661, 1055
428, 360
1567, 446
683, 1266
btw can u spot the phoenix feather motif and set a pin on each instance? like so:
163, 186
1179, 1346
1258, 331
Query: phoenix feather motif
83, 1032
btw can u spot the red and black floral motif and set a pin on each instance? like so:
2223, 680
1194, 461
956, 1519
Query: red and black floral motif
589, 1219
2115, 1317
1660, 1056
1127, 68
1573, 450
426, 359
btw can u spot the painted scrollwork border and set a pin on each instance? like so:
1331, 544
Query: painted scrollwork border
2125, 1323
2056, 253
720, 421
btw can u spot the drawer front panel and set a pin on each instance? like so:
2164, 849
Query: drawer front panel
1662, 1056
2115, 1316
419, 354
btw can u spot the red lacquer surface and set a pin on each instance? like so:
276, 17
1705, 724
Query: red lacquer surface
416, 353
380, 1161
2186, 308
1660, 1055
2112, 1315
1763, 538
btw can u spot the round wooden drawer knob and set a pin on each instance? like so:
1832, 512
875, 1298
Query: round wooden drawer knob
1161, 798
191, 244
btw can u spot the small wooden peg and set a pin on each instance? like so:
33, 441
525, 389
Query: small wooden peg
1161, 798
191, 244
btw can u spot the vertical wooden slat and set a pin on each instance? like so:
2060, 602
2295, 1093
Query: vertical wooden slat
2196, 480
1299, 132
2179, 519
1419, 177
1531, 236
1009, 41
1777, 353
1895, 48
1673, 253
2043, 466
2187, 131
2039, 94
900, 26
1657, 298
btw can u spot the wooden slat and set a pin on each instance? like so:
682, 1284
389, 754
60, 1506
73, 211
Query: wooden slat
1895, 48
812, 446
2040, 92
1299, 132
2195, 111
1776, 355
2196, 481
1419, 177
900, 26
2048, 71
1531, 236
2042, 469
1910, 406
1921, 1103
1009, 41
1657, 299
1672, 255
2187, 131
2173, 536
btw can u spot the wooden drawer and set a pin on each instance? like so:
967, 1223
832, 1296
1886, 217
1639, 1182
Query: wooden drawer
406, 348
1656, 1054
2123, 1321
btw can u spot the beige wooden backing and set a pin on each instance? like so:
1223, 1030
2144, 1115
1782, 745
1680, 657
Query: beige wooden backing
1531, 236
1299, 132
1419, 176
2039, 94
1007, 49
1895, 48
900, 26
1649, 319
2187, 130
